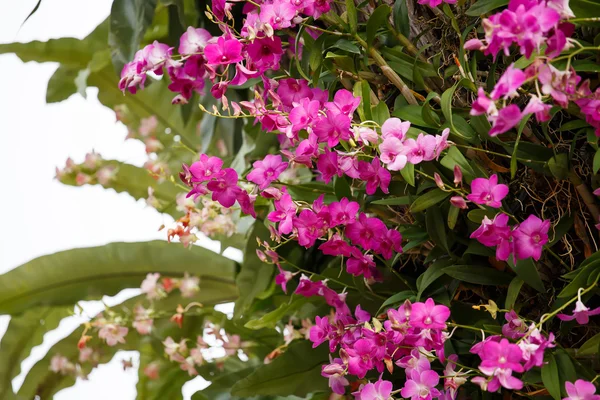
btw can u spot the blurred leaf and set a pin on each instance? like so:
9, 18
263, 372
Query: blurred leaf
62, 84
596, 162
23, 333
427, 200
550, 376
559, 166
37, 6
478, 275
585, 8
393, 201
408, 173
380, 112
485, 6
89, 273
295, 372
129, 20
255, 276
271, 319
352, 15
342, 188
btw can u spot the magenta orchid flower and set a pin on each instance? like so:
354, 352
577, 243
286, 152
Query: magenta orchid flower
375, 175
581, 313
267, 170
428, 315
206, 168
394, 127
225, 51
193, 41
421, 385
488, 192
225, 189
530, 237
509, 82
332, 128
496, 232
327, 165
581, 390
393, 153
335, 371
380, 390
506, 119
343, 212
343, 102
421, 149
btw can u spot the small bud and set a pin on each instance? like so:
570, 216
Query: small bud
458, 202
82, 342
389, 364
438, 180
457, 175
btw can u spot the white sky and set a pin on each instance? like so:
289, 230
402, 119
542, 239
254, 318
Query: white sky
39, 215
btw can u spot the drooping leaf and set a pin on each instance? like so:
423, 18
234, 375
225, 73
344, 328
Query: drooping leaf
550, 376
129, 20
69, 276
296, 372
255, 275
513, 292
23, 333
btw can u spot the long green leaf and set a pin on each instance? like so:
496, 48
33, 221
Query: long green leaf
477, 275
295, 372
429, 199
129, 20
69, 276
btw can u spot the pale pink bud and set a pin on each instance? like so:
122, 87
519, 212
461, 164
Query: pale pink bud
457, 175
438, 180
458, 202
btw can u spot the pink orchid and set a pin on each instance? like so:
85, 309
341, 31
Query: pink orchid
308, 288
507, 118
343, 212
500, 359
414, 362
113, 334
380, 390
225, 51
428, 315
483, 104
310, 227
293, 91
421, 149
285, 211
193, 41
335, 373
581, 390
360, 359
421, 385
344, 102
265, 53
515, 327
453, 380
581, 313
278, 14
530, 237
349, 166
361, 264
336, 246
536, 106
304, 113
206, 169
327, 165
225, 188
487, 191
283, 278
509, 82
332, 128
496, 232
393, 153
394, 127
390, 242
375, 175
155, 55
320, 330
366, 232
267, 170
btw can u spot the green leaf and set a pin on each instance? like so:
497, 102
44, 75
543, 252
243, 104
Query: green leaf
478, 215
129, 20
550, 376
89, 273
455, 157
585, 8
560, 229
559, 165
380, 112
397, 298
527, 271
23, 333
408, 173
591, 347
342, 188
485, 6
393, 201
596, 162
295, 372
401, 21
478, 275
352, 15
427, 200
62, 84
69, 52
513, 160
413, 114
580, 280
453, 217
271, 319
377, 20
435, 227
346, 45
255, 276
513, 292
433, 272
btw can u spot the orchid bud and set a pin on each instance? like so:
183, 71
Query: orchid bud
438, 181
333, 369
597, 192
458, 202
457, 175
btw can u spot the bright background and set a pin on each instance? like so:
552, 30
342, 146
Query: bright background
41, 215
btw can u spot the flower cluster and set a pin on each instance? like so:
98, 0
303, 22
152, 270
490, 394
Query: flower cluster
154, 290
92, 170
524, 240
